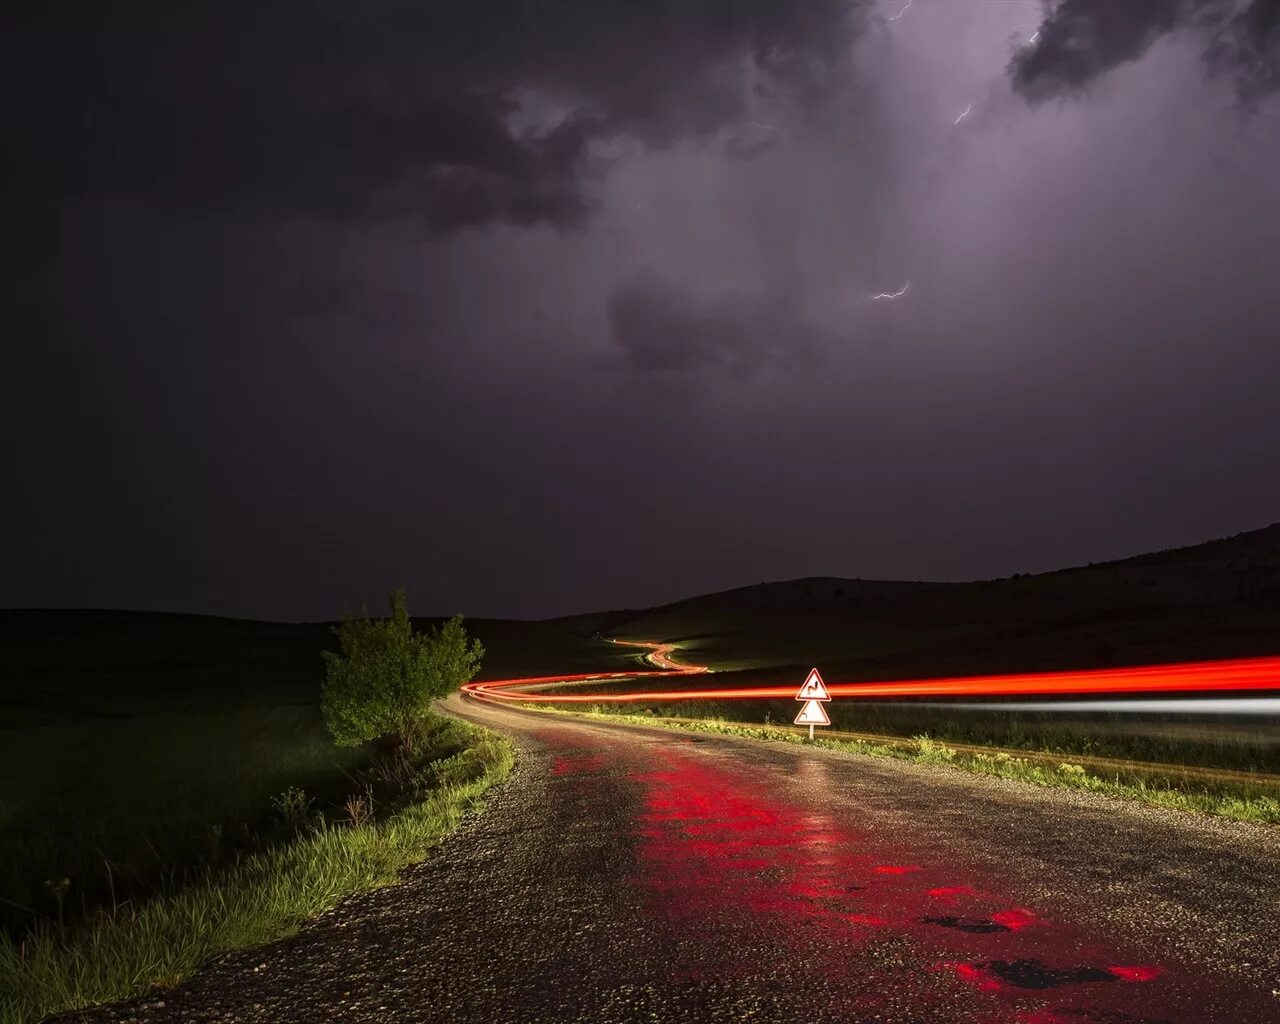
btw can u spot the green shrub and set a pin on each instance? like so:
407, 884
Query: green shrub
382, 683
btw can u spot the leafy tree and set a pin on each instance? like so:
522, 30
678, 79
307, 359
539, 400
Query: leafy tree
454, 658
381, 684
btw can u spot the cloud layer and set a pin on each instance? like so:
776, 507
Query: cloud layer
1080, 40
395, 107
545, 307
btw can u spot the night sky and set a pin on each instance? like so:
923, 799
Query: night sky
544, 307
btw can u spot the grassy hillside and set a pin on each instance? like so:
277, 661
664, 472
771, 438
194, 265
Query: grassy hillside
1214, 600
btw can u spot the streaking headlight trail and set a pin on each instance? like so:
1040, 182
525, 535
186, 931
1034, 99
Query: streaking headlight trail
1240, 675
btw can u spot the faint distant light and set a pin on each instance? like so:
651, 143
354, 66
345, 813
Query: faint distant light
1035, 37
963, 114
892, 295
757, 124
903, 11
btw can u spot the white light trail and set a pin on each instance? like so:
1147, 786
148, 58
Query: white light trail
757, 124
963, 114
892, 295
1036, 36
902, 12
1268, 706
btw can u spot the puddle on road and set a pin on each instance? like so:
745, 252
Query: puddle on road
722, 863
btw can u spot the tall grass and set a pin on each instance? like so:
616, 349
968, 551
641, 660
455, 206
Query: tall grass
120, 805
260, 896
1158, 737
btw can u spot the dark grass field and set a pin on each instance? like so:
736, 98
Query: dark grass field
137, 749
305, 866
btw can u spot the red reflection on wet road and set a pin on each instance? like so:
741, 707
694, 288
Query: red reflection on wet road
584, 765
724, 864
1014, 920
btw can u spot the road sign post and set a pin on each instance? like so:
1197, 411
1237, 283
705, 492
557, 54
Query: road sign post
814, 694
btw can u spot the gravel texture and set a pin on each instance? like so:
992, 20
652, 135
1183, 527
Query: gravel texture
635, 874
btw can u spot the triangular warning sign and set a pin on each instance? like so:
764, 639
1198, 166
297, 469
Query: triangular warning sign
812, 713
814, 688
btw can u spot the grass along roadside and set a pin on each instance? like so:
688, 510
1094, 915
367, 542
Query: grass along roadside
1235, 795
126, 806
259, 898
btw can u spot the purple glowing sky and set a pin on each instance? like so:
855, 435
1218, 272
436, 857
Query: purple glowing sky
539, 308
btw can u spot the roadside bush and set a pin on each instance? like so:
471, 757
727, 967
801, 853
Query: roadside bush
381, 684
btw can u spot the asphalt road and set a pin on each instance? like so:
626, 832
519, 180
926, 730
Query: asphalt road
640, 875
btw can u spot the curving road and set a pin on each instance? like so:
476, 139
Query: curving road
634, 874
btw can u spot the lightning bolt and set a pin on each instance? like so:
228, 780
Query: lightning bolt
963, 114
892, 295
902, 12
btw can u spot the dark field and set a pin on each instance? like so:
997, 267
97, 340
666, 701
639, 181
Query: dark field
138, 749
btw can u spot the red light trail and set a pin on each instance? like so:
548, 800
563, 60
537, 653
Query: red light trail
1237, 675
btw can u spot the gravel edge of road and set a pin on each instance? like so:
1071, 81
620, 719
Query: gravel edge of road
835, 746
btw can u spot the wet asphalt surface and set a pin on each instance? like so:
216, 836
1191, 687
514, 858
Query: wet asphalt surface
627, 874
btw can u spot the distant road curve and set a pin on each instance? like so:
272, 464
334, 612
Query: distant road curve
1241, 675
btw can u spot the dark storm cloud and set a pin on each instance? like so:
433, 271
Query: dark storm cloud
1083, 39
660, 327
389, 107
1249, 49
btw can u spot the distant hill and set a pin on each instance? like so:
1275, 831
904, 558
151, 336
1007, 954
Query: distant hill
1217, 599
1213, 600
